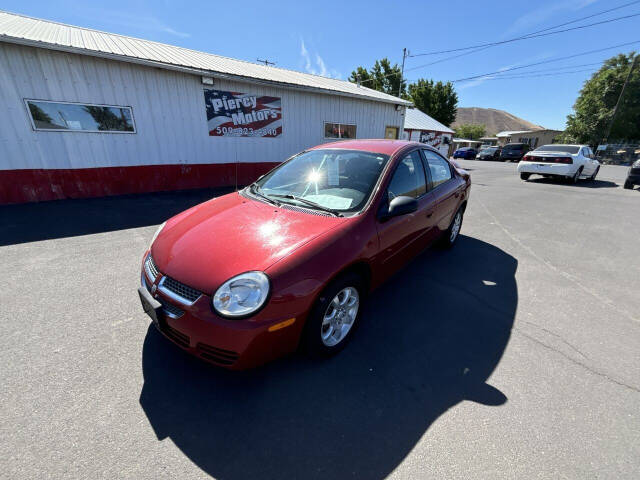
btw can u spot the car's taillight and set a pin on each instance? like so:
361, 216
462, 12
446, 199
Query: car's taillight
531, 158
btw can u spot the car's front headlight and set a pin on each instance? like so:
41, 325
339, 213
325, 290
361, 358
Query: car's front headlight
155, 235
636, 164
241, 295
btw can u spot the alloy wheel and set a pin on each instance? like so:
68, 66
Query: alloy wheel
455, 228
340, 316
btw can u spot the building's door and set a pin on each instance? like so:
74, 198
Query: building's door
391, 133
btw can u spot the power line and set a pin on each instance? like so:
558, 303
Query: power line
540, 33
473, 77
514, 77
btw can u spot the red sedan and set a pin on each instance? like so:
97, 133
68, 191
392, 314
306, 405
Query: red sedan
249, 276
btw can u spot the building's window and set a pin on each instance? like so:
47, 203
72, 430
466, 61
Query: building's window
80, 117
339, 130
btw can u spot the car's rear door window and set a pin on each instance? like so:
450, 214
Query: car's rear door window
439, 168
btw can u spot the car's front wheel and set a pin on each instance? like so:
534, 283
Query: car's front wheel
628, 185
595, 174
525, 176
333, 319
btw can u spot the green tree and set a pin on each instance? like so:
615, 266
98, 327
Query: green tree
383, 77
436, 99
471, 131
594, 107
38, 114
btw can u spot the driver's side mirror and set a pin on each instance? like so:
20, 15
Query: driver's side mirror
400, 205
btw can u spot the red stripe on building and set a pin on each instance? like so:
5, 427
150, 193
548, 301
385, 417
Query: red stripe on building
35, 185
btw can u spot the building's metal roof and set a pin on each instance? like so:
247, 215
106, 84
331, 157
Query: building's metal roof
508, 133
417, 120
40, 33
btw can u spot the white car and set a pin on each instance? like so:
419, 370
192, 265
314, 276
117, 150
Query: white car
572, 162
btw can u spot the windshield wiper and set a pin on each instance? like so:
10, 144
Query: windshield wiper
310, 204
257, 191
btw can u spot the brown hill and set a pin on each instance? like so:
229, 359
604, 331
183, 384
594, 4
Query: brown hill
494, 120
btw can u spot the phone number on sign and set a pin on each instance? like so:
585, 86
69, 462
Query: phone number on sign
246, 132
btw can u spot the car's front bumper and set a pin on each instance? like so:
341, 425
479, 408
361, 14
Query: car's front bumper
560, 170
232, 344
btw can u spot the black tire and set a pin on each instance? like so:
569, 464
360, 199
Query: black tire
445, 240
311, 336
595, 174
628, 185
525, 176
576, 177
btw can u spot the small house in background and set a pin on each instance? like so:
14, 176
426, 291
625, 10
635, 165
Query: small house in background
489, 140
533, 138
420, 127
465, 142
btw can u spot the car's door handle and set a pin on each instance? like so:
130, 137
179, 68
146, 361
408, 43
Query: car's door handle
430, 214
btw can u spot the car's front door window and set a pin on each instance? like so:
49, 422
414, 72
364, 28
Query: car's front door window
408, 179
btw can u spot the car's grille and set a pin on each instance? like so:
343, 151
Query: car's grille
178, 337
170, 309
217, 355
150, 267
180, 289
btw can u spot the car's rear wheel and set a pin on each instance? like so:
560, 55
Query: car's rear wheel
525, 176
576, 176
628, 185
449, 237
333, 319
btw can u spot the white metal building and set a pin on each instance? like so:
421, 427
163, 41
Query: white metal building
88, 113
420, 127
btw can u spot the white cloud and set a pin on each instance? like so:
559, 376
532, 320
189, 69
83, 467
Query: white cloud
546, 12
319, 67
143, 22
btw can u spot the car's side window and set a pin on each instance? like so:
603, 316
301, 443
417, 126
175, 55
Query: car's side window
408, 179
439, 168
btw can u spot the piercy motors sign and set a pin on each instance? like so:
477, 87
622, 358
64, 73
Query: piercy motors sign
234, 114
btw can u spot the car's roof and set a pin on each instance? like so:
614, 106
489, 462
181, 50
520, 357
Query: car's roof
387, 147
562, 145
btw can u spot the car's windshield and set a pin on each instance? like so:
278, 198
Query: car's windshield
339, 180
517, 146
558, 148
488, 150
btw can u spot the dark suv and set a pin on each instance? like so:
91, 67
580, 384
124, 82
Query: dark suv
513, 152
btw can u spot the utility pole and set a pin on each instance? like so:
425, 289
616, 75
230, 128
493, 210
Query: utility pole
405, 54
615, 110
266, 62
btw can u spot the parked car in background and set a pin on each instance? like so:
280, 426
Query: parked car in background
633, 177
571, 162
467, 153
489, 153
249, 276
513, 152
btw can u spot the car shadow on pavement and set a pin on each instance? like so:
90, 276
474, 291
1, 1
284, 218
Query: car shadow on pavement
581, 183
430, 338
30, 222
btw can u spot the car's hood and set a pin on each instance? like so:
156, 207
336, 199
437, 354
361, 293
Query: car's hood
214, 241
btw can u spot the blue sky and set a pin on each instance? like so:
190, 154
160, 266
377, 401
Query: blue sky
332, 38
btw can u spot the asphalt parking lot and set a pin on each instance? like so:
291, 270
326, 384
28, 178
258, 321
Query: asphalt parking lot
514, 355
